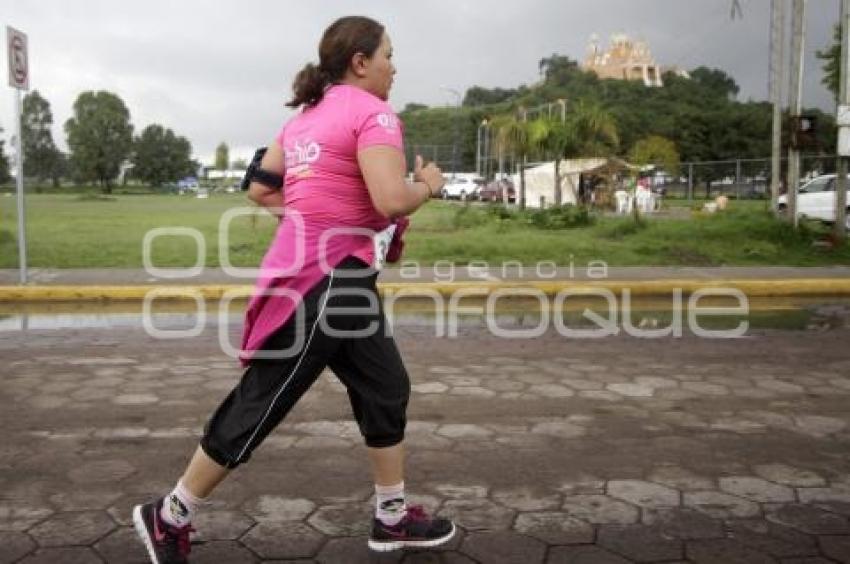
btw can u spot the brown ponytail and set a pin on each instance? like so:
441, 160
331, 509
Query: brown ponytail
341, 40
309, 86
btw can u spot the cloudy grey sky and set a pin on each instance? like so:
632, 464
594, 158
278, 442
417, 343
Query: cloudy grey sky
220, 70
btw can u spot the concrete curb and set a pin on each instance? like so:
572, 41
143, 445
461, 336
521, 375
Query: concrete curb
750, 287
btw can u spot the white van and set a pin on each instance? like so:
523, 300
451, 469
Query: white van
462, 187
815, 199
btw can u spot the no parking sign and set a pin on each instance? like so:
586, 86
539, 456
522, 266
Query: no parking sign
19, 78
16, 47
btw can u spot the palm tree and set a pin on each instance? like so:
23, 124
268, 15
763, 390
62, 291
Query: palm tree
587, 131
554, 139
595, 129
513, 134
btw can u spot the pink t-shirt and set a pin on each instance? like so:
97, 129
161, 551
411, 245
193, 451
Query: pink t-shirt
326, 202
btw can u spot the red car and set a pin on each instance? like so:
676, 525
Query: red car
494, 191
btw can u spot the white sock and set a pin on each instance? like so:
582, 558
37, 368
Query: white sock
389, 503
180, 506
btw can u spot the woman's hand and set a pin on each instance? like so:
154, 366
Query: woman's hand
429, 174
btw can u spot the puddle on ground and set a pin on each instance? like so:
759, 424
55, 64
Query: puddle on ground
507, 312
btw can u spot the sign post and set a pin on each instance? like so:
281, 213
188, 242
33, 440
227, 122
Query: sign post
19, 79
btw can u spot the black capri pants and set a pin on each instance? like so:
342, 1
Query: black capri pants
342, 327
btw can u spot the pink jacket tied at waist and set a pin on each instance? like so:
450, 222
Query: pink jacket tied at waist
276, 296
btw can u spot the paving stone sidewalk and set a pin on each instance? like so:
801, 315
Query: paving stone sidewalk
547, 450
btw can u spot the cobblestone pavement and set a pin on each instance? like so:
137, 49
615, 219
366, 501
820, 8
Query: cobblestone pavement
547, 450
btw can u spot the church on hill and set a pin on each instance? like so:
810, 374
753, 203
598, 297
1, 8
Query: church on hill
625, 59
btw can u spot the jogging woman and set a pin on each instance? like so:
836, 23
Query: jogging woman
343, 170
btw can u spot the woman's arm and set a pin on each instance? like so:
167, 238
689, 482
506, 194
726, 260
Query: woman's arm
383, 171
262, 195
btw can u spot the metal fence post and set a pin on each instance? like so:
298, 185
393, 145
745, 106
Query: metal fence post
737, 179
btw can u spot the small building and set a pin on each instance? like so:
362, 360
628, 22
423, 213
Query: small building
211, 173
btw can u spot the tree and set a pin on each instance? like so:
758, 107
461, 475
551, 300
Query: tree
551, 138
41, 157
222, 156
100, 137
715, 81
414, 106
477, 96
587, 131
658, 151
595, 131
4, 163
832, 62
161, 156
513, 134
557, 66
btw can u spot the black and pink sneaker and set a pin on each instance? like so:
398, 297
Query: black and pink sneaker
416, 530
166, 544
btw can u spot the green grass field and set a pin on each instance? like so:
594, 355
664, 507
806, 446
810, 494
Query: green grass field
84, 230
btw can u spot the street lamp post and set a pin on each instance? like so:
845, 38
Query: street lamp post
481, 148
454, 127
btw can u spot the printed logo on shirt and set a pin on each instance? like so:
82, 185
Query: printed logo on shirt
388, 122
300, 156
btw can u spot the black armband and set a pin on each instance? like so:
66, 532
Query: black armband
257, 174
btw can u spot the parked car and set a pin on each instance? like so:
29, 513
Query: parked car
461, 188
188, 183
494, 191
815, 199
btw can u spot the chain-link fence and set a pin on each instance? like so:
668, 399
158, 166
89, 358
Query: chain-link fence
735, 178
447, 157
450, 159
738, 178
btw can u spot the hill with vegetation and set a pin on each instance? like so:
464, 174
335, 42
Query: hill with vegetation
701, 114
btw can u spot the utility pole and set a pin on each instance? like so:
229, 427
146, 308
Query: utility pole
843, 122
777, 40
486, 153
478, 150
795, 102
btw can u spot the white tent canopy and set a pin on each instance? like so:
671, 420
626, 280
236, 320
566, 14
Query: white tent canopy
540, 180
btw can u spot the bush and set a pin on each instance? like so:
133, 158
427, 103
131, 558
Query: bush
563, 217
560, 217
95, 198
467, 216
620, 228
747, 225
499, 211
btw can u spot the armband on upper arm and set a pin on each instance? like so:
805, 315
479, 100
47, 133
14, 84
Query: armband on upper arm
261, 175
